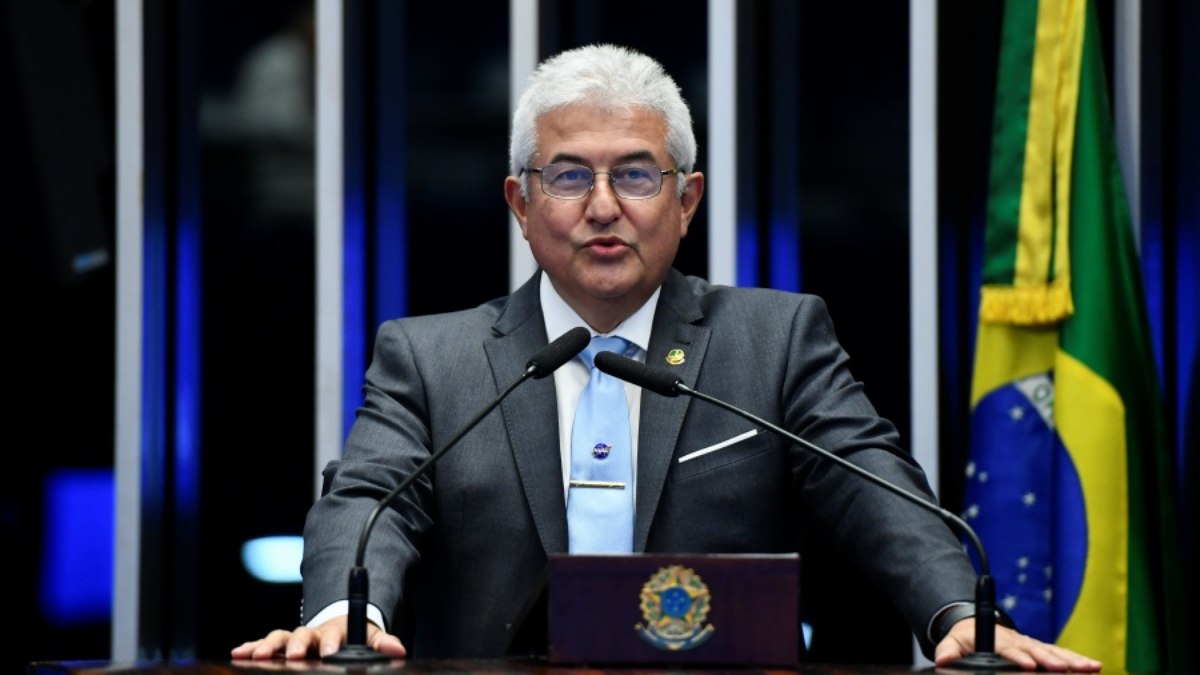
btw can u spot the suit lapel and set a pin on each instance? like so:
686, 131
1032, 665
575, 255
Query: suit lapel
662, 417
531, 413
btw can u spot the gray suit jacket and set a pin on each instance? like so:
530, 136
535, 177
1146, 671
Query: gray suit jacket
464, 549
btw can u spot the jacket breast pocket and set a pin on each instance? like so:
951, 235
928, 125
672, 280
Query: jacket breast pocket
720, 455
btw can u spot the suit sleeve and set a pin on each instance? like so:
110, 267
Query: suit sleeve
908, 551
389, 439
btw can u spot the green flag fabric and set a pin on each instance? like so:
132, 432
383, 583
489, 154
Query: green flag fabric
1071, 479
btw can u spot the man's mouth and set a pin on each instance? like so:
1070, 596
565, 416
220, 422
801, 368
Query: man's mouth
606, 249
606, 246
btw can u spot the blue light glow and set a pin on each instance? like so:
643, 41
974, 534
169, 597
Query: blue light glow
275, 560
188, 381
747, 252
785, 254
75, 584
354, 294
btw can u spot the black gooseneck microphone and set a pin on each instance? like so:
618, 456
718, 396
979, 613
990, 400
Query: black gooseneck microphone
985, 657
542, 364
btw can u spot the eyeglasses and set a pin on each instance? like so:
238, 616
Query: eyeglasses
628, 181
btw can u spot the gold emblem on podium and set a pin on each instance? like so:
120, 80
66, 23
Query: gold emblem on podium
675, 602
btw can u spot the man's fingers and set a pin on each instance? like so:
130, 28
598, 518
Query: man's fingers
1079, 663
325, 639
386, 643
266, 648
302, 641
1036, 654
1022, 656
333, 635
950, 649
1026, 652
1032, 654
244, 650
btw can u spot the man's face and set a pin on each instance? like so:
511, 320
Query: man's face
604, 254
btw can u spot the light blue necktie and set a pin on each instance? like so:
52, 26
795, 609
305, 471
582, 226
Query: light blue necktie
600, 498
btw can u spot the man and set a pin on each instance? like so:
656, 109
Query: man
603, 188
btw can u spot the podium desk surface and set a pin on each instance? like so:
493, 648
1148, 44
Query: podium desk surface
420, 667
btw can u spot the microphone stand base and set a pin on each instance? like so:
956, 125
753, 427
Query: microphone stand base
356, 654
989, 661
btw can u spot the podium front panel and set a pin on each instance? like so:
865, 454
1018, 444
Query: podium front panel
674, 609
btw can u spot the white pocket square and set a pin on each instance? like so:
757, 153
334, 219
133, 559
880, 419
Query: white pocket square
723, 444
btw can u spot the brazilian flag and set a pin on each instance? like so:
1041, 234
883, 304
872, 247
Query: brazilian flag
1070, 482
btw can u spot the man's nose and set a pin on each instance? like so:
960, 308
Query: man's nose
603, 204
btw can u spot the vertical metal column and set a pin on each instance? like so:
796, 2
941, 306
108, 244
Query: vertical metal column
127, 450
923, 254
522, 59
329, 229
721, 184
157, 446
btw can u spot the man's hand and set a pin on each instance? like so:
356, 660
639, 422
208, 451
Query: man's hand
1026, 652
323, 640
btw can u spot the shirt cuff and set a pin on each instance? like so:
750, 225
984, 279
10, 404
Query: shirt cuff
945, 618
342, 608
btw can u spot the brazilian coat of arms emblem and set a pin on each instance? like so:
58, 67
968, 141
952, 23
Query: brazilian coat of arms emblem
675, 603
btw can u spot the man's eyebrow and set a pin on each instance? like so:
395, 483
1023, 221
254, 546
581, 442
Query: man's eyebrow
637, 156
564, 157
640, 155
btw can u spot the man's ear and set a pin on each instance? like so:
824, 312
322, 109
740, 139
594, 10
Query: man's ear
516, 202
690, 201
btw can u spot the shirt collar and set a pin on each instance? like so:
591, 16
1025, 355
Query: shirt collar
560, 318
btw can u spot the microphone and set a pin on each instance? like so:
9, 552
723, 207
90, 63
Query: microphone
664, 383
542, 364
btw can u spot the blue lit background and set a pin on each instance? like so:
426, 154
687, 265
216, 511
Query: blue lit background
77, 556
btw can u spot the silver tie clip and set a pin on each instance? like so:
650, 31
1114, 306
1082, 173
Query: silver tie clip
616, 485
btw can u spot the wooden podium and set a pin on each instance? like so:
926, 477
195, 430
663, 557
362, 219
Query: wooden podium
661, 609
659, 612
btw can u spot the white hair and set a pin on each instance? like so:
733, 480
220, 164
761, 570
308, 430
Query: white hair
609, 77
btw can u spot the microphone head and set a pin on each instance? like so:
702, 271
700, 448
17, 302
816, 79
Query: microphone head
656, 380
559, 352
